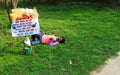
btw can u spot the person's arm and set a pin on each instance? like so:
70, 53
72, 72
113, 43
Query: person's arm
53, 43
52, 39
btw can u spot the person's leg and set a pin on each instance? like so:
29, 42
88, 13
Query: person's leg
35, 42
35, 36
38, 36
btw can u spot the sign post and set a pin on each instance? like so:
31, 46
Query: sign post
24, 23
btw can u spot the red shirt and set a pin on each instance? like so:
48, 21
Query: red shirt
46, 39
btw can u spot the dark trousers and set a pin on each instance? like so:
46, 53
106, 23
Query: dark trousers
36, 39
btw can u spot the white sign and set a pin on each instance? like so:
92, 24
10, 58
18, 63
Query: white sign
24, 22
23, 27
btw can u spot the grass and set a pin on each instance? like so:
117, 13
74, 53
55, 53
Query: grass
92, 35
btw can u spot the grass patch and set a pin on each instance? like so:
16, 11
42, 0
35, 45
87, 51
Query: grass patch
92, 35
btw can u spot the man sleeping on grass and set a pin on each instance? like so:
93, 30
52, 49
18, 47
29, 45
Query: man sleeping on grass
50, 40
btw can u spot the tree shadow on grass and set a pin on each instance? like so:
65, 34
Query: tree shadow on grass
55, 71
4, 24
10, 50
65, 12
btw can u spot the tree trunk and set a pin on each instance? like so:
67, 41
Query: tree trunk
8, 9
14, 3
11, 3
113, 3
1, 2
38, 1
23, 1
48, 1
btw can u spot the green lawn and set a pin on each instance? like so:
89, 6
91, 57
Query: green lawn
92, 35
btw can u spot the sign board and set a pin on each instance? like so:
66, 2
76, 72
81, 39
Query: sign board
24, 22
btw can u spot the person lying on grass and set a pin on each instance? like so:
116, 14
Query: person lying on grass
50, 40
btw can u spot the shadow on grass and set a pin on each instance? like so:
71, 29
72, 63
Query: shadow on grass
10, 50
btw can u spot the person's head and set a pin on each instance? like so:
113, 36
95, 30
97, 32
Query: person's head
61, 40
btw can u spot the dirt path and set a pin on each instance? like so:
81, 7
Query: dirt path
112, 67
